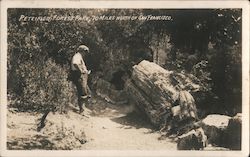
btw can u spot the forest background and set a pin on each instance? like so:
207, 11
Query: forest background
203, 42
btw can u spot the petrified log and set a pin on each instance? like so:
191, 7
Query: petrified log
157, 91
187, 105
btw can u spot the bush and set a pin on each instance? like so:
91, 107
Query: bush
44, 87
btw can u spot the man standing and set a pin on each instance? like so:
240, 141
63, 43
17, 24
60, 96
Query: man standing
79, 74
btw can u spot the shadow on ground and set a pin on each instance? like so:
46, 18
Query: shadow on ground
134, 119
124, 114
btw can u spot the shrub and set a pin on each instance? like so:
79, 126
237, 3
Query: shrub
44, 87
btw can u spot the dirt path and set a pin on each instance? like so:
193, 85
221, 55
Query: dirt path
118, 127
105, 126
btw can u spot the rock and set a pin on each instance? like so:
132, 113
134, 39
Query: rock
214, 127
193, 140
233, 132
156, 91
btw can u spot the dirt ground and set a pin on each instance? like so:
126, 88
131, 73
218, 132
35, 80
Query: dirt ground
102, 127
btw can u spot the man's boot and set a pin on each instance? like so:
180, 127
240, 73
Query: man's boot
81, 110
81, 105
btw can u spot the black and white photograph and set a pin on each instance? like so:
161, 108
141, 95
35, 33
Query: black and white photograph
115, 78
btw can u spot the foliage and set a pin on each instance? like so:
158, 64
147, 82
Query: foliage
44, 87
208, 45
205, 43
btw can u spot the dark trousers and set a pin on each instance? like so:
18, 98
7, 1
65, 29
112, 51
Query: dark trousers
83, 91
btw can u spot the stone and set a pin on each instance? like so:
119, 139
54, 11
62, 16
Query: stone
214, 126
193, 140
233, 132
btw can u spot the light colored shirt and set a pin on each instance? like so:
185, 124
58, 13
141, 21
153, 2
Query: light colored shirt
77, 63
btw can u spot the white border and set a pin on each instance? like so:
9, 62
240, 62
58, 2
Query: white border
127, 4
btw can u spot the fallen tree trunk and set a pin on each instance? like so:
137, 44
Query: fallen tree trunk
158, 92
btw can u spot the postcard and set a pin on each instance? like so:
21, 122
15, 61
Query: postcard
124, 78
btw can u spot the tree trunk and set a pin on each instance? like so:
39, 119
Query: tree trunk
155, 91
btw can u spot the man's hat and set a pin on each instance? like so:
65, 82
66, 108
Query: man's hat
83, 48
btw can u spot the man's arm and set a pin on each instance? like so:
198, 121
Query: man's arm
81, 70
